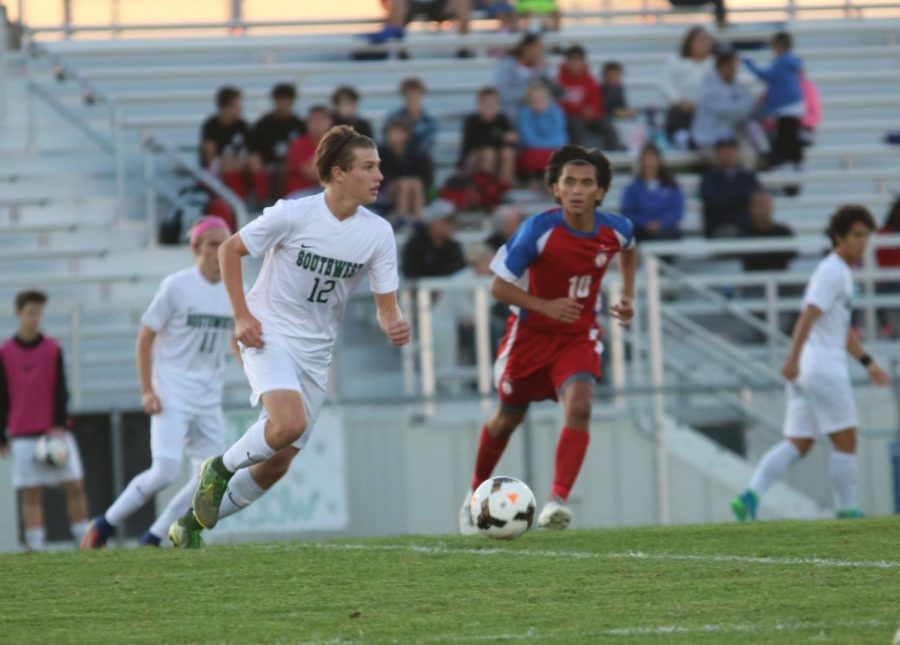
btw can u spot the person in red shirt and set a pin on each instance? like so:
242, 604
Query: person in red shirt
549, 273
582, 101
888, 257
301, 177
33, 399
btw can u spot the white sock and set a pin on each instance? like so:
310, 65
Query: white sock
250, 449
78, 529
773, 465
843, 479
179, 504
142, 488
34, 538
242, 491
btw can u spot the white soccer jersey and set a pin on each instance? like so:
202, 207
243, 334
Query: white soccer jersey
313, 262
192, 319
831, 290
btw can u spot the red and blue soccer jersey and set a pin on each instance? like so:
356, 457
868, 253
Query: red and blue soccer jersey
550, 260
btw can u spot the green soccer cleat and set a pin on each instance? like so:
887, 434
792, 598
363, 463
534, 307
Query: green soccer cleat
210, 491
745, 505
185, 532
850, 514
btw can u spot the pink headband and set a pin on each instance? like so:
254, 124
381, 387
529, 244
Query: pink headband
205, 224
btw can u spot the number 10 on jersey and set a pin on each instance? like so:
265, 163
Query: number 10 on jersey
579, 286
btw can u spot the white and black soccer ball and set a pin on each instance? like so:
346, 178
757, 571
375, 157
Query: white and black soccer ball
51, 450
503, 508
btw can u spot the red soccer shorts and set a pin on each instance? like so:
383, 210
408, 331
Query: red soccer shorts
533, 365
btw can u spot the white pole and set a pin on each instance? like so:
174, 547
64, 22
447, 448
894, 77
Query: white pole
426, 345
617, 349
483, 340
77, 358
654, 328
772, 320
871, 316
407, 352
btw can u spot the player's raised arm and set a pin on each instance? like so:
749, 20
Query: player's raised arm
391, 319
247, 329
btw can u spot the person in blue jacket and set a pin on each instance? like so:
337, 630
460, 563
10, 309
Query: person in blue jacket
784, 99
653, 201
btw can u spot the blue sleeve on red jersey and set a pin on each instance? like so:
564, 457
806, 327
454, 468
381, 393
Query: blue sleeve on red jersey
623, 227
522, 247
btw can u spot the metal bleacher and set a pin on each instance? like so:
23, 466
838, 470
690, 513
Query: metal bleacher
77, 219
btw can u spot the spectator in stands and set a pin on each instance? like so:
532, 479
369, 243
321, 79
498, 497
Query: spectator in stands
542, 129
783, 99
524, 64
424, 126
726, 191
536, 16
345, 103
401, 12
223, 137
812, 110
888, 257
724, 109
33, 404
270, 140
719, 9
653, 200
432, 250
615, 103
507, 219
581, 101
302, 178
682, 77
502, 11
407, 172
489, 139
762, 225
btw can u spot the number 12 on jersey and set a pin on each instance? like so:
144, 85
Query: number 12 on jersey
320, 294
579, 286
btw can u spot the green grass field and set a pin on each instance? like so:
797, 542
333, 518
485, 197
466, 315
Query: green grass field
784, 582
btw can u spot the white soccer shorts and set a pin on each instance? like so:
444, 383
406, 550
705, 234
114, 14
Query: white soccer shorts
283, 365
27, 472
820, 402
198, 433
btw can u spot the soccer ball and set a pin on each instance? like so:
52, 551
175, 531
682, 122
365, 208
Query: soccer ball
503, 508
51, 450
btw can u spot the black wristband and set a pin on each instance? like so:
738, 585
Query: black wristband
866, 360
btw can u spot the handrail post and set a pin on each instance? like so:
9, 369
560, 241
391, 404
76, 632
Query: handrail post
408, 352
871, 314
617, 349
483, 340
772, 319
426, 344
654, 328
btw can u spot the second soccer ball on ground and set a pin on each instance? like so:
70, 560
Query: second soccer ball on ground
503, 508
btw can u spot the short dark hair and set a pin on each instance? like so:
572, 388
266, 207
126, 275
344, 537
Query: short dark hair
318, 108
344, 92
665, 175
845, 217
411, 83
892, 221
524, 43
486, 91
725, 57
398, 123
576, 51
226, 96
580, 155
338, 148
284, 91
783, 39
611, 66
31, 295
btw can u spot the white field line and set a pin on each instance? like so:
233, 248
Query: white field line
628, 555
630, 632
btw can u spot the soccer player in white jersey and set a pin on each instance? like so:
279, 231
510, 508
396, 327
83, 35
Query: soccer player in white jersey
819, 392
182, 345
316, 251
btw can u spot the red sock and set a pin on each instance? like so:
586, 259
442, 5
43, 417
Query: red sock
261, 185
570, 452
490, 449
234, 179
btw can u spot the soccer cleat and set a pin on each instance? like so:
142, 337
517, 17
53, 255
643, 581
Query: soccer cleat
210, 491
555, 514
466, 525
185, 532
98, 533
850, 514
745, 505
148, 539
